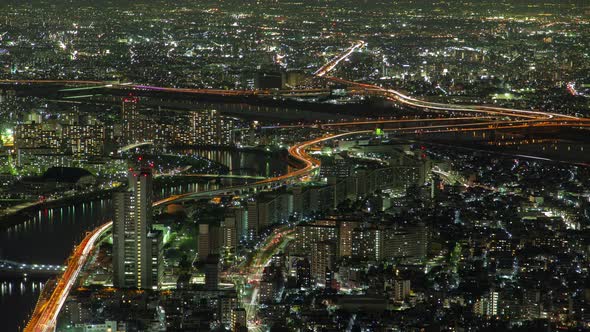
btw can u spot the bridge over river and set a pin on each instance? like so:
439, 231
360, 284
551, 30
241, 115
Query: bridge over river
18, 268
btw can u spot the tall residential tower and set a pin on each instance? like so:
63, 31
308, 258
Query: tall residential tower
136, 247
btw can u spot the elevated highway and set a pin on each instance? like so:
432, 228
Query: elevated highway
44, 317
451, 109
216, 176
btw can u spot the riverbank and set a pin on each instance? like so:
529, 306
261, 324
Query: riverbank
22, 215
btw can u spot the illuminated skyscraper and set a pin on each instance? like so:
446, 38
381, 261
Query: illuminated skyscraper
228, 302
318, 231
136, 247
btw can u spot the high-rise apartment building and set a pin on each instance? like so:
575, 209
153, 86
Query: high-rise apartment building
406, 242
84, 140
209, 128
487, 305
401, 289
46, 136
323, 258
136, 247
130, 118
268, 209
367, 243
345, 237
209, 240
228, 302
313, 232
229, 238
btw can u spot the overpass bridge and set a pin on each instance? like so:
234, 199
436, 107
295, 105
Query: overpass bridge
134, 145
214, 176
237, 190
12, 267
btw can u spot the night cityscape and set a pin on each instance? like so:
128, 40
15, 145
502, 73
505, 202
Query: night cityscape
294, 165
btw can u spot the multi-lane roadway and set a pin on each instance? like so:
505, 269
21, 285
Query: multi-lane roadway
324, 70
45, 315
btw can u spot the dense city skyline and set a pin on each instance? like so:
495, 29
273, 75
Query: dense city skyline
302, 165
